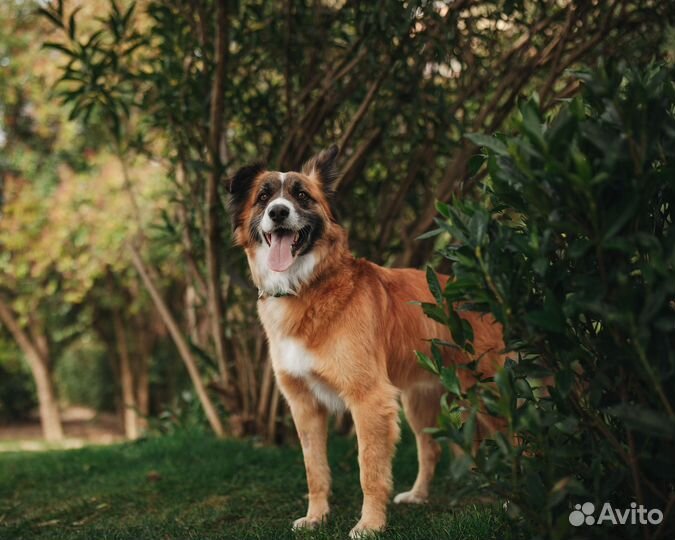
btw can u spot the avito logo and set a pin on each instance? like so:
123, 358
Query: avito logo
635, 515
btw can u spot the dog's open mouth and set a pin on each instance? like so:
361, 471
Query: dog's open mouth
284, 245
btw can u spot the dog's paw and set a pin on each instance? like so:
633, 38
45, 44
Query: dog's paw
409, 497
363, 531
307, 522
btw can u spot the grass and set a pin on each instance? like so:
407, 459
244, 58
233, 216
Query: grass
193, 486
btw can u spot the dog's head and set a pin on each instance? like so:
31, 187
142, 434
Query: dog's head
282, 219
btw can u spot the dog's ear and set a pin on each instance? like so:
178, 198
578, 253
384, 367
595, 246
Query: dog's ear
323, 167
239, 187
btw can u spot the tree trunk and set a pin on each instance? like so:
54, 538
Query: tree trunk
143, 377
130, 407
191, 315
213, 243
50, 417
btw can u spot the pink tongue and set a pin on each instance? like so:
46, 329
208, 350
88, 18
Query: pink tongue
280, 257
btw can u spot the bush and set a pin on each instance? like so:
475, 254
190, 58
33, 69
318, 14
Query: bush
183, 415
17, 390
84, 376
573, 250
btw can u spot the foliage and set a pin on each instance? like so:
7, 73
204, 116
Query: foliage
84, 376
396, 84
130, 155
64, 217
573, 251
183, 415
17, 392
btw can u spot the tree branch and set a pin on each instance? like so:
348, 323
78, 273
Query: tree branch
179, 340
212, 203
9, 319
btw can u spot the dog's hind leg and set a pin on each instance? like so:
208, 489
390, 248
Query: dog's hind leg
422, 406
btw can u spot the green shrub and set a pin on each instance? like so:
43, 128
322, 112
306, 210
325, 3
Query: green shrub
572, 249
183, 415
83, 376
17, 390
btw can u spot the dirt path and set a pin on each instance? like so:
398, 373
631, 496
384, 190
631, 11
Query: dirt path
81, 425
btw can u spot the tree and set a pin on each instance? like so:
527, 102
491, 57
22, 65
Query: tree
58, 239
37, 354
206, 86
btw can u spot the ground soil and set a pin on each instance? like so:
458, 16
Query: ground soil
81, 426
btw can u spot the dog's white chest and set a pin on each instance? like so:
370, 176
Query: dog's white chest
292, 357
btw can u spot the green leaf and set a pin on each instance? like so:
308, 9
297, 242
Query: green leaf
469, 429
582, 166
426, 362
532, 124
435, 312
454, 322
429, 234
53, 17
127, 15
443, 343
450, 380
443, 209
467, 330
436, 355
642, 419
71, 23
491, 143
523, 389
434, 285
59, 47
475, 164
478, 227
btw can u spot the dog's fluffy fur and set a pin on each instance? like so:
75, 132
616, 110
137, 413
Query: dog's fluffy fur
343, 334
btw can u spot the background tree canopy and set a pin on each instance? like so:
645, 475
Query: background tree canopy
121, 121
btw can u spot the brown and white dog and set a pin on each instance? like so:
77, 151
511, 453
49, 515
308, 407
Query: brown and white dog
342, 333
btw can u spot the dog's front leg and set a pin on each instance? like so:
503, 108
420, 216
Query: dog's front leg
375, 415
311, 423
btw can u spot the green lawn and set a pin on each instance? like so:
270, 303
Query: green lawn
197, 487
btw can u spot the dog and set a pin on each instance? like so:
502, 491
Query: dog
342, 333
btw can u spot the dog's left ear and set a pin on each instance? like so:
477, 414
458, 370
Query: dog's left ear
323, 168
239, 187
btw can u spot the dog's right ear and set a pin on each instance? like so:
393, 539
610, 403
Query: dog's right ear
323, 167
239, 187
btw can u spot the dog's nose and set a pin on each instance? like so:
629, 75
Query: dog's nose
278, 212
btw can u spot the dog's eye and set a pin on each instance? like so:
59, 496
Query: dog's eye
263, 197
301, 196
